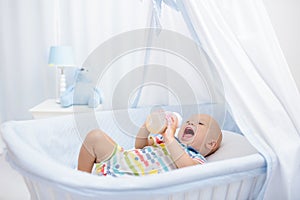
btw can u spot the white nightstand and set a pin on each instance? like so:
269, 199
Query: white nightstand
49, 108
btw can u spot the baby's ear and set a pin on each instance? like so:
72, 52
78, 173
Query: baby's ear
211, 144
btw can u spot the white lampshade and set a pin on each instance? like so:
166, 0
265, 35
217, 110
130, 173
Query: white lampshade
61, 56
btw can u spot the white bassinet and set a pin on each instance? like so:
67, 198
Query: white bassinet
45, 152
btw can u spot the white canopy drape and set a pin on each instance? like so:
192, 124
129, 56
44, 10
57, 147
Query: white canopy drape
258, 85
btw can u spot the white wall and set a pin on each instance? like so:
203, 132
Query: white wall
285, 17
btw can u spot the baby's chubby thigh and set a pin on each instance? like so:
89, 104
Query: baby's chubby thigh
99, 144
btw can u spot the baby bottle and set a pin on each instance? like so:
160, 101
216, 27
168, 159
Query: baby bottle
156, 122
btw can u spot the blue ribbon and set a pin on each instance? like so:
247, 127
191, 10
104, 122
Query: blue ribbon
156, 13
178, 6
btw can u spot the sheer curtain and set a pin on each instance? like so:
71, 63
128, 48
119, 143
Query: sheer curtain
26, 34
29, 28
258, 85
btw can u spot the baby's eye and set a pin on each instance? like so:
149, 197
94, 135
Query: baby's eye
200, 123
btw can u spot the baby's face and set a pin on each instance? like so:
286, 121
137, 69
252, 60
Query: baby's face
194, 131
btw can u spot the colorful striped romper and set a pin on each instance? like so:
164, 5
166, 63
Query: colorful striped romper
138, 162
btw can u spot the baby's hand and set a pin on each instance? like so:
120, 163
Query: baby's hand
172, 121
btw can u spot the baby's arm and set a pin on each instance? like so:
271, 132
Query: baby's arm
180, 157
141, 139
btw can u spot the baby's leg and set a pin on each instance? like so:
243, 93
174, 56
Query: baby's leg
97, 147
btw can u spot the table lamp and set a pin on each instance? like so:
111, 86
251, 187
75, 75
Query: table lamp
61, 57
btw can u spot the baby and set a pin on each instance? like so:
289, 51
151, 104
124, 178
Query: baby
198, 137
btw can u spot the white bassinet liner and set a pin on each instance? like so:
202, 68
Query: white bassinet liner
47, 151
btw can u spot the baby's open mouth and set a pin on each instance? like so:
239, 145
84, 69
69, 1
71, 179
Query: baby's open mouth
188, 133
